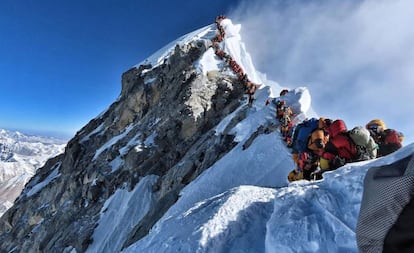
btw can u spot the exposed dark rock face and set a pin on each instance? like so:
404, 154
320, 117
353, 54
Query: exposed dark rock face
162, 124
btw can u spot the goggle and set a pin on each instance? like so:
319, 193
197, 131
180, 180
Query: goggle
373, 127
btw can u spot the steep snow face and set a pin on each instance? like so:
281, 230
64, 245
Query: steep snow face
20, 156
301, 217
122, 208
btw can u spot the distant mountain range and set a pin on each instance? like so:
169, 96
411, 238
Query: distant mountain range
20, 156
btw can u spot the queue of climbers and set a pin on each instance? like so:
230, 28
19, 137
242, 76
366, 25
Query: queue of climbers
250, 87
320, 145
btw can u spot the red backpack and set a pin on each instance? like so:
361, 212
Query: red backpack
345, 147
391, 137
337, 127
339, 144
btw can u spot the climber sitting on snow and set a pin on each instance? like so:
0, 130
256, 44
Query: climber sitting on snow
303, 158
388, 140
315, 144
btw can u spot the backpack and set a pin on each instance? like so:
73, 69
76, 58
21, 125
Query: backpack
391, 137
365, 143
337, 127
302, 133
389, 142
345, 147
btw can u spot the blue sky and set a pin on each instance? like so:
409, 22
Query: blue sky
61, 61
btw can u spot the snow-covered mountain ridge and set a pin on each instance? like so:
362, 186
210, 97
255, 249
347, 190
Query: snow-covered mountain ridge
20, 156
181, 163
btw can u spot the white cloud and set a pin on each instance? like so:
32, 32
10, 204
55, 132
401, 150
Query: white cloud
363, 51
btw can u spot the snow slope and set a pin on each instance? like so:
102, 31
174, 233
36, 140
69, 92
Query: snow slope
123, 208
20, 156
243, 203
301, 217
